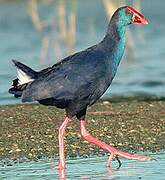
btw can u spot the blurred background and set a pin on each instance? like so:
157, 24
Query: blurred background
41, 32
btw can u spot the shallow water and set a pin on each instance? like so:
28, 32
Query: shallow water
142, 70
84, 169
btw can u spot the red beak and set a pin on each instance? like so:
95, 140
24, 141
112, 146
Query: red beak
137, 17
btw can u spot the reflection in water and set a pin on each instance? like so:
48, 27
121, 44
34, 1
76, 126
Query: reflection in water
62, 174
84, 169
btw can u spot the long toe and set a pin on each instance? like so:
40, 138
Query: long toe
141, 158
117, 153
132, 156
59, 167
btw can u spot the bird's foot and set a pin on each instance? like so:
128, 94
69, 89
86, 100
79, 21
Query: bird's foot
115, 154
59, 167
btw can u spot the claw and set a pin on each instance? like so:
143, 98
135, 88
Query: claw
114, 157
120, 163
153, 159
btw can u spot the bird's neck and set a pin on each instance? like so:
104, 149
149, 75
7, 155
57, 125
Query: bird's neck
116, 31
114, 43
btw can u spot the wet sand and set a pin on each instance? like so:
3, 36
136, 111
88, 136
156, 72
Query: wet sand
31, 130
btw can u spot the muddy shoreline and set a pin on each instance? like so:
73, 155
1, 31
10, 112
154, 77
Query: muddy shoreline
31, 130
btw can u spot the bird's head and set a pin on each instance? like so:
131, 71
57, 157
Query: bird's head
127, 15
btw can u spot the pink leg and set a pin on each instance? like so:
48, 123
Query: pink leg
62, 164
113, 151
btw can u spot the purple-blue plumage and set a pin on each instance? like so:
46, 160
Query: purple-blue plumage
80, 79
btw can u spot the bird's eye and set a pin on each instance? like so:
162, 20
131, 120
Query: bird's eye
128, 13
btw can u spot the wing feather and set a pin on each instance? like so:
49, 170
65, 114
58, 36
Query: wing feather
75, 77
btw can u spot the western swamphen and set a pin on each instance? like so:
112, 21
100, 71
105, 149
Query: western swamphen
79, 80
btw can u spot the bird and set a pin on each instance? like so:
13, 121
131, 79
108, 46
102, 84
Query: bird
79, 80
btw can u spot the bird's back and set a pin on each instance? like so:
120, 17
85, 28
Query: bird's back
80, 77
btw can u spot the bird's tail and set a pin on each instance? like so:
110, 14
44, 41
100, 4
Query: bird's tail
25, 75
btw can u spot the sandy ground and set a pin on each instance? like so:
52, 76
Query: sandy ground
31, 130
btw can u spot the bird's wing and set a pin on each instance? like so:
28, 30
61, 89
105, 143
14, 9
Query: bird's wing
75, 76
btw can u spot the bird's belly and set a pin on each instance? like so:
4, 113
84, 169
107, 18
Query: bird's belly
62, 103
